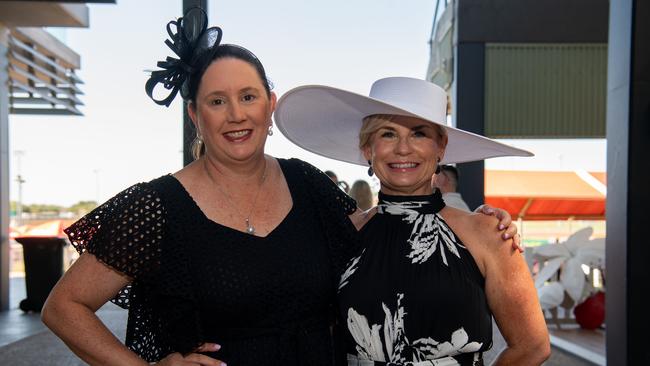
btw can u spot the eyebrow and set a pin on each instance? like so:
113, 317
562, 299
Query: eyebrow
248, 89
420, 127
416, 128
243, 90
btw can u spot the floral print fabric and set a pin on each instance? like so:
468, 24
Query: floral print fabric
414, 295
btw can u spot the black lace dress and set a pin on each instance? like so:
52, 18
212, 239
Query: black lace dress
414, 295
266, 301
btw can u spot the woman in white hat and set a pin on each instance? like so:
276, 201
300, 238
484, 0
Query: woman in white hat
239, 252
428, 278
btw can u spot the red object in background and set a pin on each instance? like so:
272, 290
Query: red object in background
545, 195
590, 314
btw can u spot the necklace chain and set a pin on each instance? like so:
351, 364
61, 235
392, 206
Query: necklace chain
250, 229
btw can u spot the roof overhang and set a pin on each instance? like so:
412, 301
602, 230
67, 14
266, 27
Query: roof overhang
42, 77
43, 14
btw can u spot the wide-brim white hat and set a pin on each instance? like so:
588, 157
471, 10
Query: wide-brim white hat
327, 121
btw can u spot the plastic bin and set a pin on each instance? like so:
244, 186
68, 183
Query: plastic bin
43, 268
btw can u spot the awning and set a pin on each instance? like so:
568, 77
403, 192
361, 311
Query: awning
47, 228
537, 195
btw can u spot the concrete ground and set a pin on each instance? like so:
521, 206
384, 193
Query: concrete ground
558, 357
24, 340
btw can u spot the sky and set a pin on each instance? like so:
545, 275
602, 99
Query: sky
124, 138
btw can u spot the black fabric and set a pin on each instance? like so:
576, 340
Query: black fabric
190, 40
267, 301
415, 292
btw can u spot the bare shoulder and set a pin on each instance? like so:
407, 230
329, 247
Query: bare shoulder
470, 224
479, 233
360, 218
486, 227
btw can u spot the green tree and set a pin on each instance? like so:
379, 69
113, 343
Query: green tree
38, 208
82, 207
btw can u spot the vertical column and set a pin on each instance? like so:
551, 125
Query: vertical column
4, 170
469, 112
628, 179
189, 132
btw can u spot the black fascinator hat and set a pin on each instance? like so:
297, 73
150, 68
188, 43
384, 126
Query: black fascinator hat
192, 41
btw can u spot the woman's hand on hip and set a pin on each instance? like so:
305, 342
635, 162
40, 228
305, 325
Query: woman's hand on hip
193, 359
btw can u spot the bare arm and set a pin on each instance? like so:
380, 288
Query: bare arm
513, 301
70, 313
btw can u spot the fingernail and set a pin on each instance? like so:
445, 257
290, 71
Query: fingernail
501, 227
490, 211
217, 347
506, 236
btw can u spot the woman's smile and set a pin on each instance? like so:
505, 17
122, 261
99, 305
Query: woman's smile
403, 167
238, 135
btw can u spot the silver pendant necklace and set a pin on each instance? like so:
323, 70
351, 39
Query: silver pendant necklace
250, 229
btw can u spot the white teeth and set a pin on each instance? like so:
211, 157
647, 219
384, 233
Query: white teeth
238, 134
403, 165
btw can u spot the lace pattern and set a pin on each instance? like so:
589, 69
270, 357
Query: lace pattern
149, 233
126, 233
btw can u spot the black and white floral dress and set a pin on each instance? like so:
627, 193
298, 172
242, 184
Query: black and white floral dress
414, 295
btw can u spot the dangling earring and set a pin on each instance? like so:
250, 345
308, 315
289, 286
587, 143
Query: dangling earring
270, 131
370, 171
438, 169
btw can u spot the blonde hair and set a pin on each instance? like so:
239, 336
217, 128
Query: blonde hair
370, 125
362, 193
373, 123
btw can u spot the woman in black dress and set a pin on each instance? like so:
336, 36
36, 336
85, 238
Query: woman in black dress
238, 249
428, 278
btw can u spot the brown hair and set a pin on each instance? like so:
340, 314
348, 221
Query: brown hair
197, 148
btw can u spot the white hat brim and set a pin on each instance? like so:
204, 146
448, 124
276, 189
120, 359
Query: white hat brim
327, 121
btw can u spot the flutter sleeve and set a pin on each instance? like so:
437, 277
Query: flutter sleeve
124, 233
